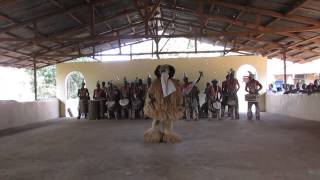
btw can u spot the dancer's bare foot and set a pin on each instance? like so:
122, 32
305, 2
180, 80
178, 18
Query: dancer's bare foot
152, 136
171, 138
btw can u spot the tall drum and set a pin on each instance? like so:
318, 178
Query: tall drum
94, 112
102, 107
83, 106
252, 97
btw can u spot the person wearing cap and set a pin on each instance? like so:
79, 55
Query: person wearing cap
253, 87
84, 97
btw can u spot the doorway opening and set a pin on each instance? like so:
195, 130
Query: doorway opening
73, 83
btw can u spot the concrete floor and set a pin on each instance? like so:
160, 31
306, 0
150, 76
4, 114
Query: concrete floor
275, 148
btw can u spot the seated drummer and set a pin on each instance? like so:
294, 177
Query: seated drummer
84, 96
125, 95
253, 87
98, 93
125, 90
113, 95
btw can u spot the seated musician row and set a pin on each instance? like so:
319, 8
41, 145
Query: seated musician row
128, 101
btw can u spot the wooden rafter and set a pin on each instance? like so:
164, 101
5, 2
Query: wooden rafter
236, 22
265, 12
295, 7
49, 15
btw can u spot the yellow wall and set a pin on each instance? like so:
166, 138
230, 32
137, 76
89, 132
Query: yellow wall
215, 67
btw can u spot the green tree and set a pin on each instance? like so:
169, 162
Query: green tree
73, 84
46, 81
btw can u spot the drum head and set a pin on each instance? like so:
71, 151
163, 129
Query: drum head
137, 104
217, 105
110, 103
124, 102
252, 97
231, 102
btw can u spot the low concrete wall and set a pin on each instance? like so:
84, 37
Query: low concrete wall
13, 113
295, 105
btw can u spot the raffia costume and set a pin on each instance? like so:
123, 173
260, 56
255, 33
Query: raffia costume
163, 106
163, 109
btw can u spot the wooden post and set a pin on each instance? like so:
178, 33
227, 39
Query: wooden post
152, 49
195, 45
225, 48
35, 78
285, 66
93, 30
130, 52
157, 40
119, 43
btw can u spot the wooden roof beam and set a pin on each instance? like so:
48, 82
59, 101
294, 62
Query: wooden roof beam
295, 44
296, 6
241, 12
130, 22
77, 28
70, 14
109, 32
243, 24
49, 15
28, 27
242, 33
265, 12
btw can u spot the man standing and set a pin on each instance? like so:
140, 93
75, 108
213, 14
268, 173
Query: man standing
253, 87
98, 93
104, 88
84, 97
232, 87
224, 95
191, 97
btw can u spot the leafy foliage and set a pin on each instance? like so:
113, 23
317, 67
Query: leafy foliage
73, 84
46, 82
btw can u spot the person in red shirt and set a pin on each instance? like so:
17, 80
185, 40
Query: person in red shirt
253, 87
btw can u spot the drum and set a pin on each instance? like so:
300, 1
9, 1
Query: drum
110, 104
217, 105
252, 97
83, 106
94, 109
137, 104
102, 107
124, 102
231, 100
